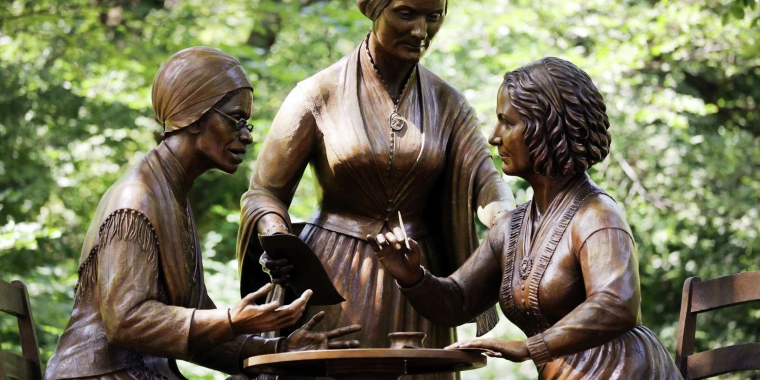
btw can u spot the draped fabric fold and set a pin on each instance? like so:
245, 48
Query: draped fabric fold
146, 189
140, 276
634, 354
143, 221
435, 172
570, 285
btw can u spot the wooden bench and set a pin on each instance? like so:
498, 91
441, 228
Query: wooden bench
702, 296
14, 300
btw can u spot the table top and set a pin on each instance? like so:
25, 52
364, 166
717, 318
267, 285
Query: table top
313, 363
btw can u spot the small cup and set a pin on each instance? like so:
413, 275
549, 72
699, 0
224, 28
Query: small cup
407, 339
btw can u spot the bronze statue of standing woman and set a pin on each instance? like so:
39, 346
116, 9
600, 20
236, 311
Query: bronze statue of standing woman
383, 135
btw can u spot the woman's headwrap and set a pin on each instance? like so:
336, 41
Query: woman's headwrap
373, 8
191, 82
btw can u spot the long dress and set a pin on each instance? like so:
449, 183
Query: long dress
436, 171
141, 289
569, 281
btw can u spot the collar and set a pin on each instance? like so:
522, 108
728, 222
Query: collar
173, 171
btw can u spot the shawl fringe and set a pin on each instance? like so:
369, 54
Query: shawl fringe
122, 224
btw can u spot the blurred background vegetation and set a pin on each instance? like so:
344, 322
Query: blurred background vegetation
681, 80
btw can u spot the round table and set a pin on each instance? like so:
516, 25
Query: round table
371, 364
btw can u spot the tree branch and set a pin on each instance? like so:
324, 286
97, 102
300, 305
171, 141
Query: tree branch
638, 188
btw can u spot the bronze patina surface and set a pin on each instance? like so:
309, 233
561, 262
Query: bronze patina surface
382, 134
141, 301
366, 364
563, 266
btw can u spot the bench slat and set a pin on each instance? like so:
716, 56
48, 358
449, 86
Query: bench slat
741, 357
725, 291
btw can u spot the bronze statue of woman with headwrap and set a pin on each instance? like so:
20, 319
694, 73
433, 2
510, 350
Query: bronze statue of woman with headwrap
140, 301
383, 135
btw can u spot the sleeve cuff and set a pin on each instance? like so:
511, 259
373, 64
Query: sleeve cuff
420, 284
538, 350
256, 345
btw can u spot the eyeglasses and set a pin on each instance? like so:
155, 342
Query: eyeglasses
242, 123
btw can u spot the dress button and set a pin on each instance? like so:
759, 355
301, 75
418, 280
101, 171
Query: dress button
522, 287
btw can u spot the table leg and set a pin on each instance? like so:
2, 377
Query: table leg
390, 369
276, 294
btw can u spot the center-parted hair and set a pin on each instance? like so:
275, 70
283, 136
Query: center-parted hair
566, 124
373, 8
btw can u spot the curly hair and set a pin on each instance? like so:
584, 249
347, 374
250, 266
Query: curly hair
564, 114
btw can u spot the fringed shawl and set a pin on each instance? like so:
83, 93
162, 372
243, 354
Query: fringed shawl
152, 189
122, 224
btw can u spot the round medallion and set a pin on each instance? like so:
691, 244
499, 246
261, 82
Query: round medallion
525, 268
397, 121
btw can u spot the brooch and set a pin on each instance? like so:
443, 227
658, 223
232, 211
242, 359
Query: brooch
525, 268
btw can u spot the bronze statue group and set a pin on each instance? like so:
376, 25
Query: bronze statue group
385, 136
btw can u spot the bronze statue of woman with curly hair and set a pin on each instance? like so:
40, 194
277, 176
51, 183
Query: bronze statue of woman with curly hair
562, 266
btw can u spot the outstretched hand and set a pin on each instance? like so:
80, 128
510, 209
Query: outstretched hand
511, 350
304, 339
398, 259
246, 317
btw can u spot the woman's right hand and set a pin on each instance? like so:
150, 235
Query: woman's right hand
278, 270
401, 262
248, 318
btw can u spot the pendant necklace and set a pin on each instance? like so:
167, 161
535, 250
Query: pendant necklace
526, 266
396, 121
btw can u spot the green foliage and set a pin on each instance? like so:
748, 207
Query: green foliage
680, 79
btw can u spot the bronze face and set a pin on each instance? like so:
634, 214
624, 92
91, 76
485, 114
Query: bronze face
220, 140
509, 137
405, 28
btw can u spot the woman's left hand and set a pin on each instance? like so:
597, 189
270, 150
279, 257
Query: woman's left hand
512, 350
305, 339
